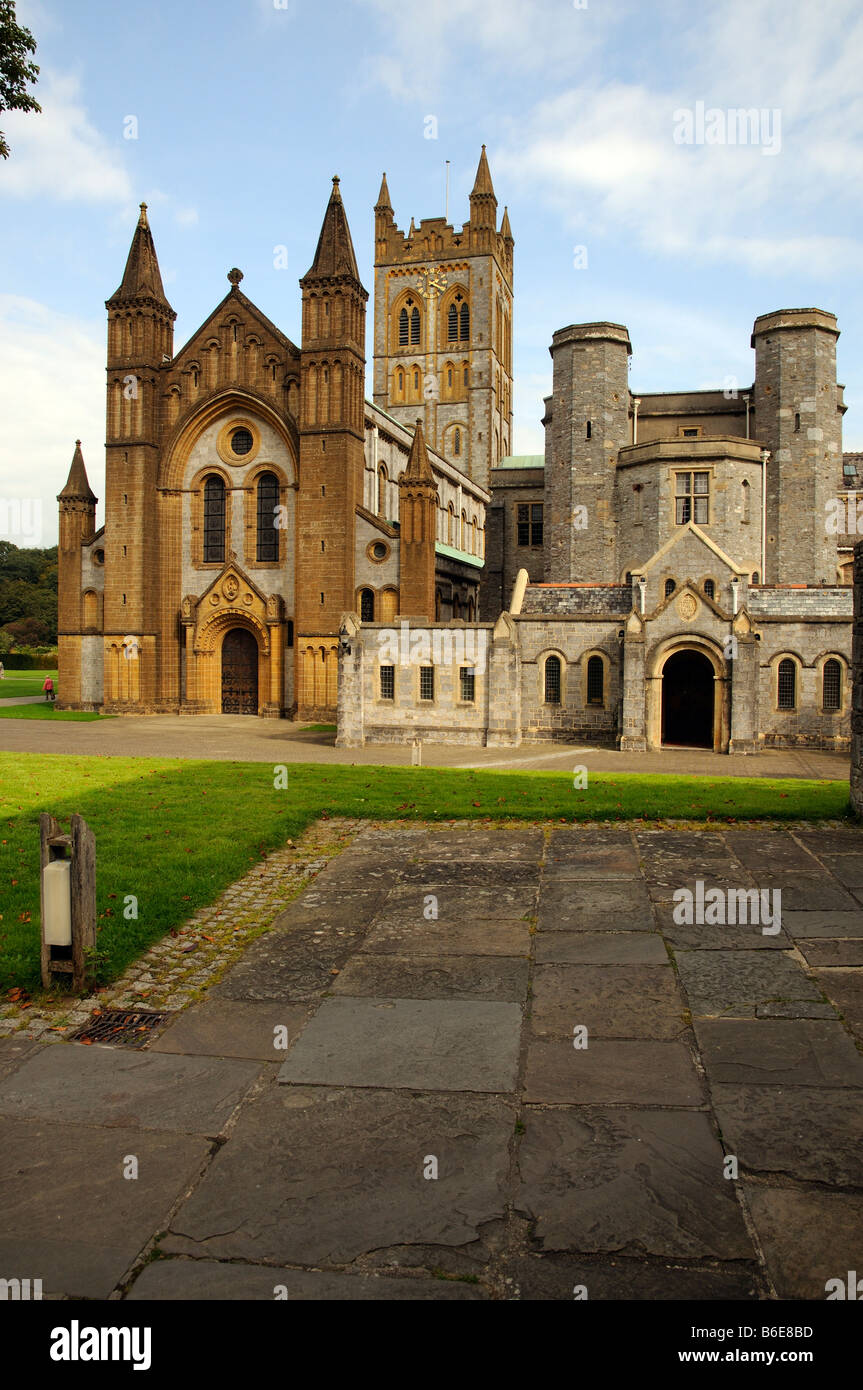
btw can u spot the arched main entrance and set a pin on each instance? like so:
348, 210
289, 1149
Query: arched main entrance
239, 672
688, 693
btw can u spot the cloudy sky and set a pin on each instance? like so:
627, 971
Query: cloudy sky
242, 110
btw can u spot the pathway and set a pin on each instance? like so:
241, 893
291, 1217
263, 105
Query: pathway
247, 739
432, 1131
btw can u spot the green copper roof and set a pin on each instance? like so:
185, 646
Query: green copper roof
453, 554
522, 461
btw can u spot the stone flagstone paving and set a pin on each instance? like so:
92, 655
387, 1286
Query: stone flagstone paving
432, 1131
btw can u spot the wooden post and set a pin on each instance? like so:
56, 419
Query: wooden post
82, 845
83, 900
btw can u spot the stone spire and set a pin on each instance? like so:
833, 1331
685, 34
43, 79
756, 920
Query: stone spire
482, 182
335, 253
383, 203
483, 203
505, 228
419, 469
77, 487
142, 278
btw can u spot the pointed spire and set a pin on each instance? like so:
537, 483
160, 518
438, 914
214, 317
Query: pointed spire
505, 228
412, 232
77, 487
482, 182
142, 277
419, 469
335, 253
383, 203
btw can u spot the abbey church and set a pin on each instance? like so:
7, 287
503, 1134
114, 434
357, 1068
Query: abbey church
669, 572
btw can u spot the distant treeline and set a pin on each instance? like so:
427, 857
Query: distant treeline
28, 597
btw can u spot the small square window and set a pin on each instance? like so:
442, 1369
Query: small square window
426, 682
468, 683
388, 682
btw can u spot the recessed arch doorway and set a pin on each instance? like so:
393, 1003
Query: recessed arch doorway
239, 672
688, 700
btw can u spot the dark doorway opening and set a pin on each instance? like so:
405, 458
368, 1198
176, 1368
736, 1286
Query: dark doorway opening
688, 692
239, 672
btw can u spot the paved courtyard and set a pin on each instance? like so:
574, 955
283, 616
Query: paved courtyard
509, 1074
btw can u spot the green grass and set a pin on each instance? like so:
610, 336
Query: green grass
17, 685
174, 833
47, 710
318, 728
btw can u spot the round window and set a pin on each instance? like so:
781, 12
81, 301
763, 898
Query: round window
379, 550
242, 442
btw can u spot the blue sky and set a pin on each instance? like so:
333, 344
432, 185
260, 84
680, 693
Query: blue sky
246, 108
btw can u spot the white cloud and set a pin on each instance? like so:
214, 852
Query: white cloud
51, 392
603, 152
428, 48
60, 153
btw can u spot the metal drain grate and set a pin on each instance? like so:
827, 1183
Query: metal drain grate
121, 1027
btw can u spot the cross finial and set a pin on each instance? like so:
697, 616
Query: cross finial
235, 276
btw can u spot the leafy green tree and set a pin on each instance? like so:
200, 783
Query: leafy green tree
16, 69
28, 591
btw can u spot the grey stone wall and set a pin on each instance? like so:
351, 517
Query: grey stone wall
809, 645
504, 556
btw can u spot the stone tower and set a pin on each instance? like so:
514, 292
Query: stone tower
140, 343
332, 437
587, 422
418, 519
798, 417
77, 525
443, 328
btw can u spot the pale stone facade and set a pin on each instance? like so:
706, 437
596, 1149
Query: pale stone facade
672, 575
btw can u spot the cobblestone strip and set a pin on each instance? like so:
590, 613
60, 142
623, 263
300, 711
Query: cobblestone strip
193, 956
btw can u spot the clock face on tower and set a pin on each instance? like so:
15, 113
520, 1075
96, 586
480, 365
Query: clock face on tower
433, 283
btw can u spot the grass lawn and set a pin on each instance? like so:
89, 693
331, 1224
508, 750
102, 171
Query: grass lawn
17, 685
46, 710
175, 833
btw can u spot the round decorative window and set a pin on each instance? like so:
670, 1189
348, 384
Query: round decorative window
242, 442
99, 557
379, 551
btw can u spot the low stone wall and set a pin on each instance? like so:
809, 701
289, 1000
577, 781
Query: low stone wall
857, 678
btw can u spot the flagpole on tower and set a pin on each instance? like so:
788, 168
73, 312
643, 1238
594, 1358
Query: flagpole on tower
447, 191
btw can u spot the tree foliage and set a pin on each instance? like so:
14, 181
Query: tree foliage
16, 68
28, 594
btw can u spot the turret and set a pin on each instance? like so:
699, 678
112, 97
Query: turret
332, 438
140, 345
418, 500
77, 525
589, 423
384, 219
798, 417
483, 203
